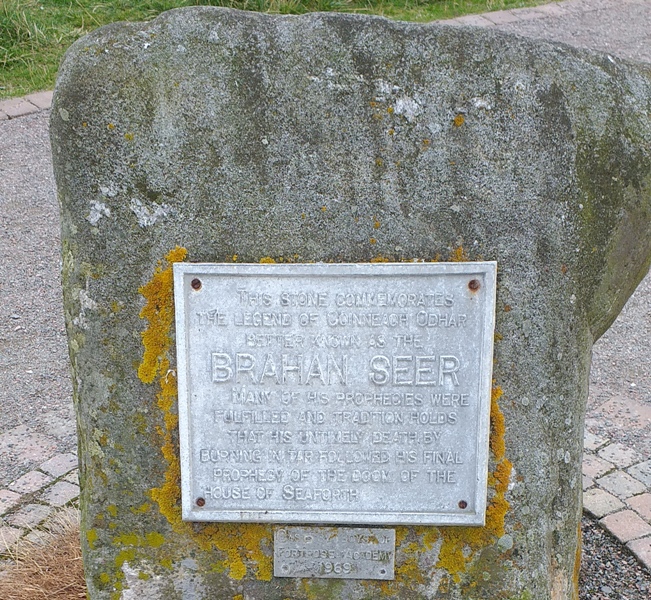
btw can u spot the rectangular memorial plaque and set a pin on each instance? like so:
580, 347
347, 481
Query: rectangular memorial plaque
335, 393
334, 552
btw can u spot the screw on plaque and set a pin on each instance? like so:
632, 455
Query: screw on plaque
201, 502
196, 284
463, 504
474, 284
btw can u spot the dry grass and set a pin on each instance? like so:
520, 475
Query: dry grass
50, 569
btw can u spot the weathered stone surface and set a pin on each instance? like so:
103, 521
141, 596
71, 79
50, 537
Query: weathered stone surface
342, 138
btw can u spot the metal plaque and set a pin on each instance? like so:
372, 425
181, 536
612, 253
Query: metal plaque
335, 393
334, 552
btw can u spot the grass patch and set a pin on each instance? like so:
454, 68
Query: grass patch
35, 33
50, 569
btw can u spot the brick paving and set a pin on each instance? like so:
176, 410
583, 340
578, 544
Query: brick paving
19, 107
33, 498
626, 525
616, 478
620, 496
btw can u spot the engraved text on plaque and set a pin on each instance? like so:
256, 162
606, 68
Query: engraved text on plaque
334, 552
334, 393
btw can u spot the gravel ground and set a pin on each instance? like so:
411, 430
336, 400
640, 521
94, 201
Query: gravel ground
608, 570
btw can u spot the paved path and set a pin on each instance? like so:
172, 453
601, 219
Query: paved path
37, 439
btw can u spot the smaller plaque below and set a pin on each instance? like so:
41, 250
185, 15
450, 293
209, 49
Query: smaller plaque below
334, 552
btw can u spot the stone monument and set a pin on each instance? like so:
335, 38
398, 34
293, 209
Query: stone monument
224, 137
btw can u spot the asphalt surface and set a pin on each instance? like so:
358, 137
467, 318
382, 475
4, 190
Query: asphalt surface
621, 28
35, 387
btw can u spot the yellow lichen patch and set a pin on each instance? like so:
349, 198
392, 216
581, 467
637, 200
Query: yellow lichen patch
142, 509
460, 545
123, 556
241, 544
110, 126
376, 224
91, 537
459, 254
409, 570
452, 557
372, 241
128, 539
459, 120
267, 260
159, 312
128, 136
154, 539
380, 259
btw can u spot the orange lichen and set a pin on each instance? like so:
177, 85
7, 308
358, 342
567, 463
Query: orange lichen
459, 545
159, 311
459, 254
240, 543
577, 563
459, 120
452, 558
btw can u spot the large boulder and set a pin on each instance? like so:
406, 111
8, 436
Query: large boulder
328, 137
